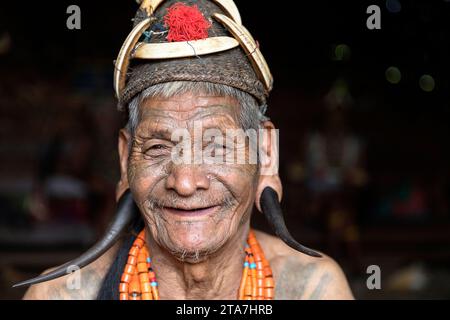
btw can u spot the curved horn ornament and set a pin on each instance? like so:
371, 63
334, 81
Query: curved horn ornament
125, 214
270, 206
123, 59
171, 50
250, 46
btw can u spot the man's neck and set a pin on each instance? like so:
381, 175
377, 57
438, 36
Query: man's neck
216, 277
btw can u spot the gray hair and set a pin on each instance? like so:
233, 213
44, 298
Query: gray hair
251, 113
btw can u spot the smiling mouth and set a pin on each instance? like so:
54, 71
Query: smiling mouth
191, 212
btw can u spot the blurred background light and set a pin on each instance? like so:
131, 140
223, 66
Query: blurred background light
427, 83
393, 75
393, 6
5, 43
342, 52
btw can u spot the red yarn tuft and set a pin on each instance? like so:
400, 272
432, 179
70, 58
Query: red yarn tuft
186, 23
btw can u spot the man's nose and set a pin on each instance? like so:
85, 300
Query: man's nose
187, 179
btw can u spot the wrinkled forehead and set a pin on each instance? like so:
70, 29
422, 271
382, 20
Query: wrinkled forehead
182, 110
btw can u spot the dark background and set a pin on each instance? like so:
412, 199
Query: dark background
57, 110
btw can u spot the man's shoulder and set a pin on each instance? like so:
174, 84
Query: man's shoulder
298, 276
83, 285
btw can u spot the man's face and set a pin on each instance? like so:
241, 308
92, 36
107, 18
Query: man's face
193, 208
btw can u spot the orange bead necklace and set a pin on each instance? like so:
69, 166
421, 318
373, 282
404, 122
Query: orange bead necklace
138, 281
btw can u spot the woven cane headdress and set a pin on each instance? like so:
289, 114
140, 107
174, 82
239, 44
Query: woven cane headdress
190, 40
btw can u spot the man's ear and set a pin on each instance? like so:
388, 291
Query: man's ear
123, 147
269, 160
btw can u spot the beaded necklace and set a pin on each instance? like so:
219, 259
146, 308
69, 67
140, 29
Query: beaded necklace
138, 281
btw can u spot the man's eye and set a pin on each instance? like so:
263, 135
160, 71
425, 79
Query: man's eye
157, 147
156, 150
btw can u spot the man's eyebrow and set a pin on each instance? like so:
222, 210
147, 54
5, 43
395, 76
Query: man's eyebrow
156, 133
224, 119
212, 117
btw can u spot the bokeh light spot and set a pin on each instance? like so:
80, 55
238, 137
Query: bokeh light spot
342, 52
427, 83
393, 75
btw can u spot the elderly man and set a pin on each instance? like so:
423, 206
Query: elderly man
188, 74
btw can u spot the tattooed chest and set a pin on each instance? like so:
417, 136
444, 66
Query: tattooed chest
297, 281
